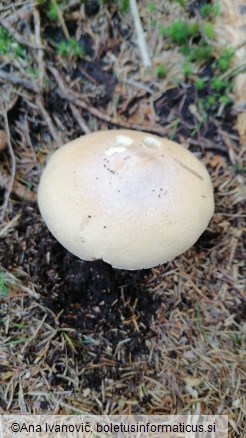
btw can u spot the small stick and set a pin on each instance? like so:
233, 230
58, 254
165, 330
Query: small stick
66, 93
13, 167
140, 34
23, 192
9, 77
17, 36
61, 19
49, 122
78, 118
23, 13
138, 85
40, 53
9, 225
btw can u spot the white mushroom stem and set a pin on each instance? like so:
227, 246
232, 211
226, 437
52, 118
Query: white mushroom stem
140, 34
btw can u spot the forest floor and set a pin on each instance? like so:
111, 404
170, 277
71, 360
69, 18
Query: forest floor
79, 336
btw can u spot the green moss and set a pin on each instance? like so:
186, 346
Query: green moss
4, 290
123, 6
161, 71
63, 49
187, 69
33, 72
193, 30
180, 2
70, 48
178, 32
200, 84
224, 61
10, 47
210, 11
225, 100
218, 84
151, 8
52, 12
200, 53
210, 102
5, 42
208, 30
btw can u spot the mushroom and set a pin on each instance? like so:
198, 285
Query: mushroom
129, 198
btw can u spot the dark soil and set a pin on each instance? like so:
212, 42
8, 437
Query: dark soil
89, 296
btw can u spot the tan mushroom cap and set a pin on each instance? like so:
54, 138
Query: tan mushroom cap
129, 198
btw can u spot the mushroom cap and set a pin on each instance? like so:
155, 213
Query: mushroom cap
132, 199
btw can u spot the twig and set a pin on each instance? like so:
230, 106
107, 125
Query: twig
240, 45
22, 14
29, 340
9, 104
140, 34
78, 118
61, 19
9, 225
40, 53
17, 36
66, 93
233, 71
49, 122
138, 85
3, 140
11, 279
13, 167
9, 77
229, 144
23, 192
